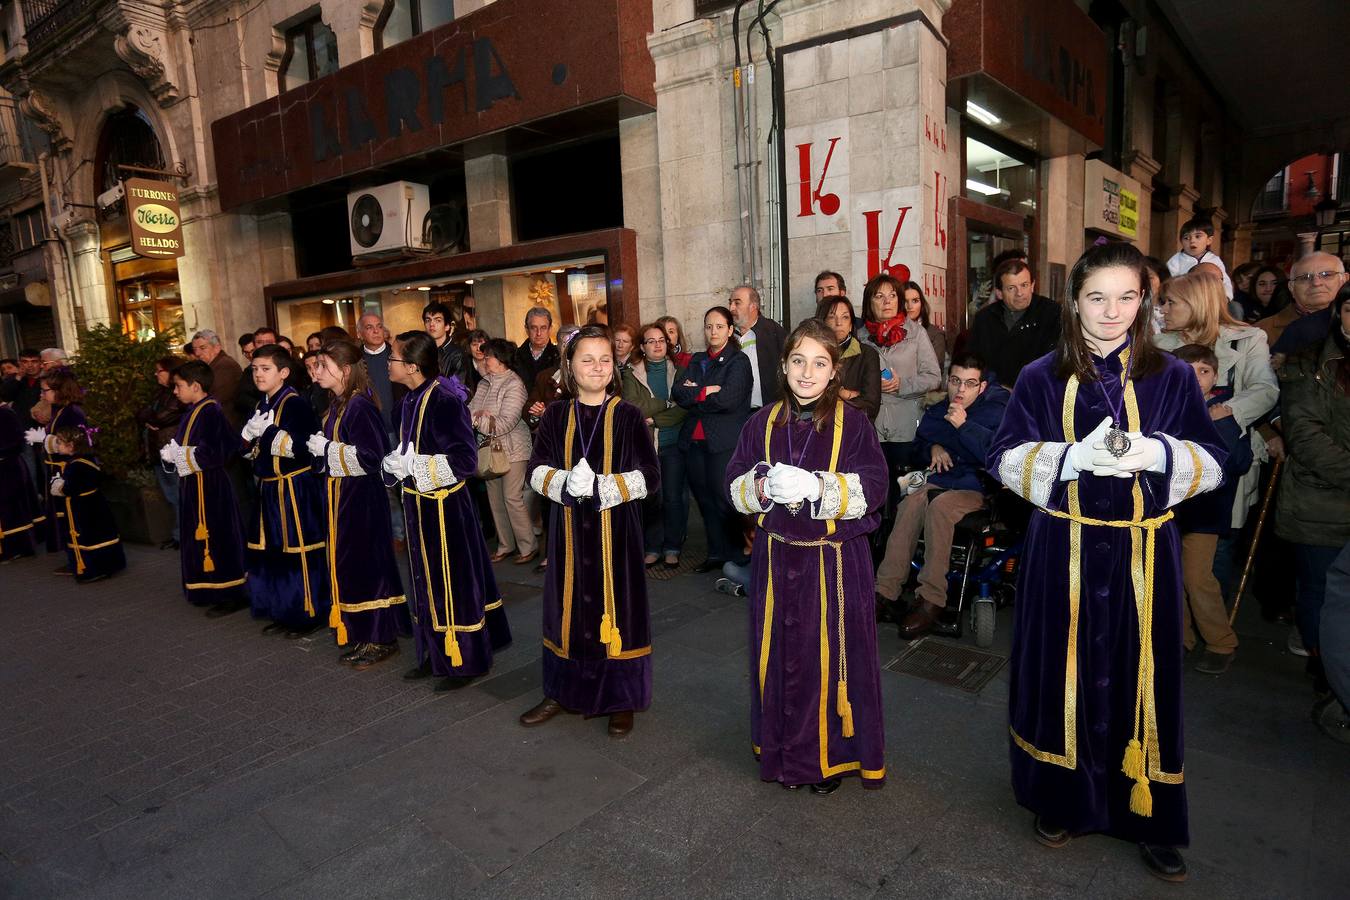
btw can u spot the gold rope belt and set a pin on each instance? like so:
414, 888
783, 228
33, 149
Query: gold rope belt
451, 639
841, 705
1144, 742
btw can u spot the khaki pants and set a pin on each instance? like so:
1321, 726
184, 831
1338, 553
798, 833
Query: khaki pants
936, 520
510, 513
1204, 599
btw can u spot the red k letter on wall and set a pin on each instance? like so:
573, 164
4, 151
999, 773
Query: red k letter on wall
876, 263
810, 188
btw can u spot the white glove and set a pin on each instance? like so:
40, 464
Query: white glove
911, 482
35, 435
1082, 453
58, 487
1145, 454
581, 480
790, 484
169, 452
317, 445
393, 464
406, 460
257, 424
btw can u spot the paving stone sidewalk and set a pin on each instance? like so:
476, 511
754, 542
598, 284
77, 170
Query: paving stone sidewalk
146, 751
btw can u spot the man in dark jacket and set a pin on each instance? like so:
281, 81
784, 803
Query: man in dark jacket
536, 353
954, 438
762, 340
439, 323
1021, 327
22, 391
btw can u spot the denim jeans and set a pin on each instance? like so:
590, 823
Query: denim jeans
1335, 627
667, 513
707, 476
168, 486
1311, 564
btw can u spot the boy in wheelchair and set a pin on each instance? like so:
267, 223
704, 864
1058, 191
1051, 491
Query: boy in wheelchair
953, 438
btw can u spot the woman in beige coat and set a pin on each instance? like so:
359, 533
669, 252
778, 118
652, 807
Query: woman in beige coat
496, 409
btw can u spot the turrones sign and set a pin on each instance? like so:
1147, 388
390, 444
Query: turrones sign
152, 212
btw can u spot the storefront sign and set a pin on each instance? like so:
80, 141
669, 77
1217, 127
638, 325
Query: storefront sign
1110, 200
152, 212
507, 64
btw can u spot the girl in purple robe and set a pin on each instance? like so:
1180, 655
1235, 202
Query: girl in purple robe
93, 545
594, 458
369, 609
19, 510
1103, 436
210, 538
287, 555
63, 392
811, 470
457, 613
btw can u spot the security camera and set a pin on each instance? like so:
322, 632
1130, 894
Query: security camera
110, 197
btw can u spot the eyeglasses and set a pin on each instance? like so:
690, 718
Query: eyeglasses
654, 341
470, 309
1310, 277
397, 359
969, 384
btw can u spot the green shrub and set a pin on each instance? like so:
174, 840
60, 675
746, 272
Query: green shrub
117, 373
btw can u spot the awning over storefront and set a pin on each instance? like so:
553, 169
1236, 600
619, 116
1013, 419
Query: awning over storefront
508, 70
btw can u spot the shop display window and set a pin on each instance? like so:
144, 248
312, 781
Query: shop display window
995, 178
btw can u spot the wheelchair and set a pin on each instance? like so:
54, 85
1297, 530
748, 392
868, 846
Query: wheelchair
982, 575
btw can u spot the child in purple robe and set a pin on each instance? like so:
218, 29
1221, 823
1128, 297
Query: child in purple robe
369, 609
287, 556
211, 539
63, 392
93, 545
19, 510
458, 619
811, 470
594, 458
1104, 436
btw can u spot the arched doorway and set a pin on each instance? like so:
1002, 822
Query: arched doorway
146, 291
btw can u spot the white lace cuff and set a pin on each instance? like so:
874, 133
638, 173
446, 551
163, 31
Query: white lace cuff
430, 473
549, 482
1032, 470
615, 489
49, 443
1193, 472
281, 445
185, 461
745, 498
841, 496
342, 461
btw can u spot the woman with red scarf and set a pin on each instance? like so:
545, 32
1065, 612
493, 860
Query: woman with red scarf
909, 368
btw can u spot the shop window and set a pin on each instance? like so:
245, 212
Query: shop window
311, 52
401, 19
150, 306
545, 205
997, 178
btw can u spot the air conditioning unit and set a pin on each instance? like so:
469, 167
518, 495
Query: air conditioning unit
386, 220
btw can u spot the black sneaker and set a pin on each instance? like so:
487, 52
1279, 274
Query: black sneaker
1164, 862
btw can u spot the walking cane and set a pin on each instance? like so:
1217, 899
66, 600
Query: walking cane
1256, 536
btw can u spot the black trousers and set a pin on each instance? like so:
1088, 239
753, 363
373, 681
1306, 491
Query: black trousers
707, 476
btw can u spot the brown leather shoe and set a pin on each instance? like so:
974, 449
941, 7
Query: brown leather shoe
620, 723
526, 557
500, 555
540, 713
920, 621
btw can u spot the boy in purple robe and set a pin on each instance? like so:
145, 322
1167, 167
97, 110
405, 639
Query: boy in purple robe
594, 458
63, 392
210, 536
1104, 436
287, 556
93, 544
811, 470
457, 613
369, 609
19, 510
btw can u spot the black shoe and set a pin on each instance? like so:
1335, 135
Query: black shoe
1051, 835
352, 654
888, 611
293, 634
1164, 862
791, 787
63, 569
170, 544
418, 672
453, 683
373, 655
1332, 718
709, 565
89, 579
1214, 663
229, 607
273, 628
828, 786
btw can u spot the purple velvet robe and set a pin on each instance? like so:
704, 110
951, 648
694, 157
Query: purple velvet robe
287, 553
69, 416
213, 565
454, 588
1083, 591
93, 545
597, 626
815, 699
19, 511
362, 576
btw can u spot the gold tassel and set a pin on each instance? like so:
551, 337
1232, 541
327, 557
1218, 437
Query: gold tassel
208, 564
605, 628
200, 533
335, 622
452, 649
615, 641
1141, 798
844, 708
1133, 766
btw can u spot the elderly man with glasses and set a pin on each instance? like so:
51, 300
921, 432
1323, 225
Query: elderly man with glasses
953, 438
1313, 281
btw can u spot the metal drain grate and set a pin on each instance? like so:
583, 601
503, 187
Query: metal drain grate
952, 664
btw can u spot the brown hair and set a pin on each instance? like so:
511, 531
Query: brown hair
347, 356
1208, 304
63, 384
1072, 356
679, 330
80, 440
871, 288
827, 305
632, 335
923, 301
819, 332
1197, 353
732, 341
1012, 266
588, 333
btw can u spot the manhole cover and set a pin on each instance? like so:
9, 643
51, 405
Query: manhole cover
959, 666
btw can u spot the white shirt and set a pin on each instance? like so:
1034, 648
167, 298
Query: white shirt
748, 348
